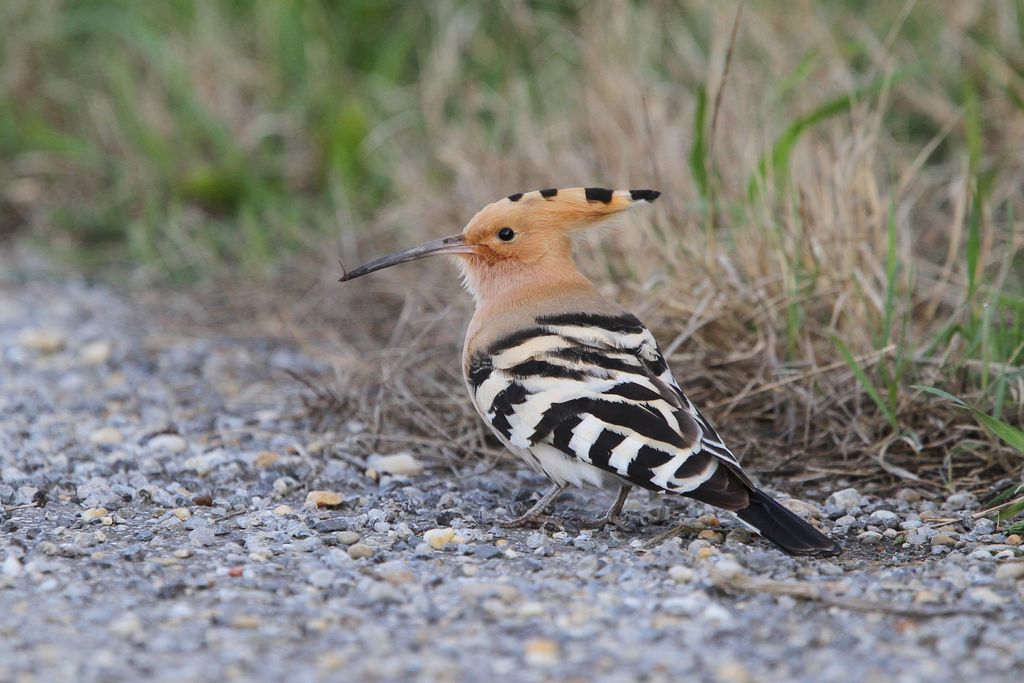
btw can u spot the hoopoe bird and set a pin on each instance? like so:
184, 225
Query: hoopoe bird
574, 384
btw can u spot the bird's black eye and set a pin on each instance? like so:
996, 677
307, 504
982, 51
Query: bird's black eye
506, 234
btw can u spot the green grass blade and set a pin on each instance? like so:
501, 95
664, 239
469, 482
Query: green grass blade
778, 157
891, 269
868, 385
1006, 432
698, 153
974, 243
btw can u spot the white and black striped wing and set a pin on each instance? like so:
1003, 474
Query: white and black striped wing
597, 388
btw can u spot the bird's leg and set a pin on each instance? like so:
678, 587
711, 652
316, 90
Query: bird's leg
613, 512
537, 510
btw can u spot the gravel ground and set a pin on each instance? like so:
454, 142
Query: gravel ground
167, 517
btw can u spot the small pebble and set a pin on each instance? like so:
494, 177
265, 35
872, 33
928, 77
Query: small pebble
202, 537
43, 340
884, 517
347, 537
711, 536
282, 510
266, 459
438, 538
321, 578
11, 566
536, 540
733, 672
359, 551
1013, 539
96, 352
93, 514
802, 508
681, 574
541, 652
869, 537
171, 443
126, 626
959, 501
984, 526
330, 525
400, 464
323, 499
106, 436
181, 513
1010, 572
943, 539
709, 521
927, 596
986, 596
846, 499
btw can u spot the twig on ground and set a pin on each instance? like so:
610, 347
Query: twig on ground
672, 533
818, 592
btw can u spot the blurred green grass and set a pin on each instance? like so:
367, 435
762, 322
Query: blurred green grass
193, 135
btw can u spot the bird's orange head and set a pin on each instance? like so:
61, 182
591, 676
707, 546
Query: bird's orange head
522, 240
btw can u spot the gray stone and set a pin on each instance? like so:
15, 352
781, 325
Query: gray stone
846, 499
886, 518
202, 537
869, 537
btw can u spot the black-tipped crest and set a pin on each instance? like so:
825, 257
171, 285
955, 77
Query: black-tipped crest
644, 195
598, 194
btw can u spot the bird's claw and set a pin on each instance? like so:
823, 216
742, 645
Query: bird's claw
598, 523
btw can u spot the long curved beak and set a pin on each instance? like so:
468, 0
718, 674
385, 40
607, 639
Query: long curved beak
446, 245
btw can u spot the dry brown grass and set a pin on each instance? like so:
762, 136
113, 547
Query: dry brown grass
722, 300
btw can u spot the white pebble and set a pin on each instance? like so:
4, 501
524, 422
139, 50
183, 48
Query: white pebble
401, 464
172, 443
95, 353
846, 499
681, 574
12, 566
438, 538
106, 436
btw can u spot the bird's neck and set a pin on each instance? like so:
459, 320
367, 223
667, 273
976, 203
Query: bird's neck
507, 301
501, 289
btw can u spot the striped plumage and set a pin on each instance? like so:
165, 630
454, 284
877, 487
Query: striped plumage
574, 384
596, 388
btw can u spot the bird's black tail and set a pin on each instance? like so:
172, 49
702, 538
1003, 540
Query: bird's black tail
783, 527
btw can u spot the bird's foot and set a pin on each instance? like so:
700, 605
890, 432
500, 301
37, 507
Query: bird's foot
598, 523
612, 515
536, 512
